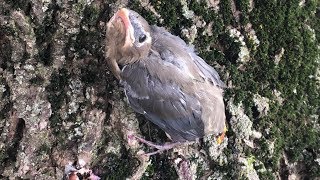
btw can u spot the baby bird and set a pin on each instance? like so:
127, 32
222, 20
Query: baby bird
164, 79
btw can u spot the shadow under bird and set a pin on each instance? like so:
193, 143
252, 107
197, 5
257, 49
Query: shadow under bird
164, 79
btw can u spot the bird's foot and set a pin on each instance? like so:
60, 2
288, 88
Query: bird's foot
160, 148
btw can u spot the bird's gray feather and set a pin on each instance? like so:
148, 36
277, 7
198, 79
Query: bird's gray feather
175, 89
177, 113
206, 70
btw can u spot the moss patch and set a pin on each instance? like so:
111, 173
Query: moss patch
24, 5
45, 34
56, 96
279, 24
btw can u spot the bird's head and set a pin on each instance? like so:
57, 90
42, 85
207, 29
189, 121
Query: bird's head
128, 38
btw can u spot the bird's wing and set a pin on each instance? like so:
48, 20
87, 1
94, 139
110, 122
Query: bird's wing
163, 102
208, 85
206, 70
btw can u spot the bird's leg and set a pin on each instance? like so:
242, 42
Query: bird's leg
160, 148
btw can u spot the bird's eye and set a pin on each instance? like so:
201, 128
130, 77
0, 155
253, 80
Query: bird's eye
142, 38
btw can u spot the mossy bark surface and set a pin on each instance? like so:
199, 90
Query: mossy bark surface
59, 102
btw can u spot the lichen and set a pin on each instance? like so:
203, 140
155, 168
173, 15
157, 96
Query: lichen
240, 122
262, 104
247, 170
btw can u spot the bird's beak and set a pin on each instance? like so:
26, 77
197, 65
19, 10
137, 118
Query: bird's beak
123, 14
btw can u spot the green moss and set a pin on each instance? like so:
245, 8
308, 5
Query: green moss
56, 89
199, 8
79, 6
45, 34
45, 31
278, 24
267, 175
136, 6
5, 110
89, 75
88, 39
115, 166
7, 31
38, 80
13, 146
56, 96
171, 12
5, 86
45, 54
3, 157
156, 169
90, 15
24, 5
225, 11
243, 7
291, 128
6, 48
43, 149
